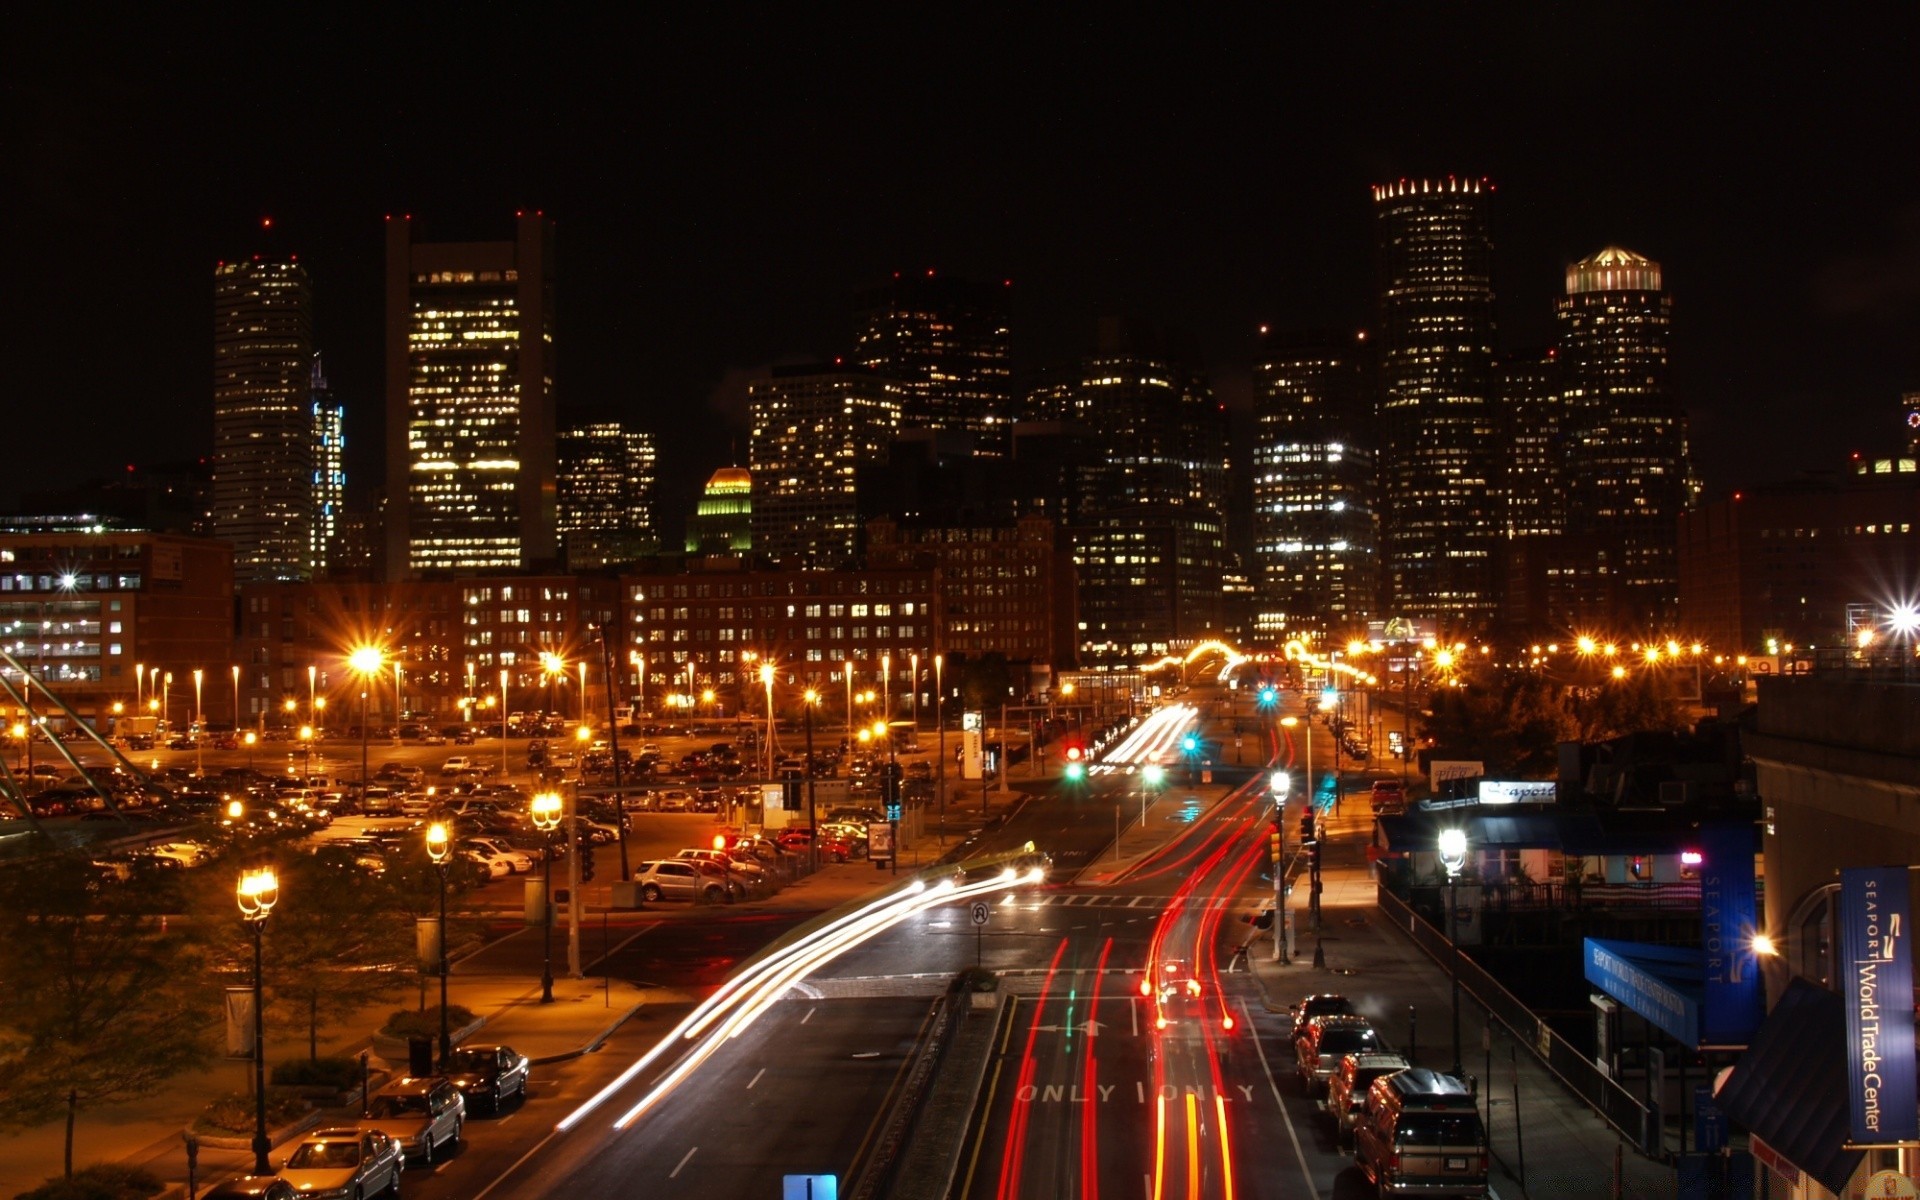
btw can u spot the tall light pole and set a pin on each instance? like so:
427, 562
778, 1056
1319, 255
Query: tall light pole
313, 675
639, 662
139, 684
886, 690
440, 851
546, 809
583, 691
503, 722
940, 723
915, 684
306, 754
811, 698
199, 725
1453, 856
257, 893
236, 696
1306, 724
849, 737
766, 748
366, 662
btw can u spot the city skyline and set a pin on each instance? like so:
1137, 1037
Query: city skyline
1786, 241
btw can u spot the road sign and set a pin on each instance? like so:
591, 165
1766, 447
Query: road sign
981, 912
810, 1187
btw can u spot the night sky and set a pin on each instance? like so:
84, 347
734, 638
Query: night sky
722, 185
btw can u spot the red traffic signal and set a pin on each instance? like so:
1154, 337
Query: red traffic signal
1075, 752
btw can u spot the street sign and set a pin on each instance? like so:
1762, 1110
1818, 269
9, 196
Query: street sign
810, 1187
981, 912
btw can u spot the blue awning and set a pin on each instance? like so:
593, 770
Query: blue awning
1660, 983
1790, 1087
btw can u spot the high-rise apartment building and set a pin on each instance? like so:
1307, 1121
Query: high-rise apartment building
1316, 529
606, 494
1150, 535
1627, 472
812, 427
262, 425
1439, 456
946, 342
1533, 486
329, 468
470, 418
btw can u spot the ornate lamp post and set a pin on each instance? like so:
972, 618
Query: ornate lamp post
257, 893
546, 808
1453, 856
440, 851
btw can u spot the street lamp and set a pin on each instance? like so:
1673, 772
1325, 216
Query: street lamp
199, 725
256, 894
940, 725
366, 662
306, 754
766, 678
811, 698
236, 695
440, 851
250, 738
547, 807
1453, 856
1296, 722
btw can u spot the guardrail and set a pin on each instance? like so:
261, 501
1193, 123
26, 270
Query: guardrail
1618, 1107
877, 1174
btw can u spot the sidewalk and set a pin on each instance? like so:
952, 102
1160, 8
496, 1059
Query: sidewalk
1566, 1148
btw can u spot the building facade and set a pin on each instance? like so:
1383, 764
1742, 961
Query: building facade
948, 344
1315, 524
263, 454
329, 469
1439, 456
1625, 438
606, 494
470, 417
104, 619
1533, 495
722, 521
1005, 588
813, 427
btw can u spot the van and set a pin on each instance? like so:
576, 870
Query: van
1422, 1136
1389, 797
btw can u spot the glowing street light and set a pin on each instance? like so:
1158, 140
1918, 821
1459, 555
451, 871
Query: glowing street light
1453, 856
546, 809
439, 852
366, 662
257, 892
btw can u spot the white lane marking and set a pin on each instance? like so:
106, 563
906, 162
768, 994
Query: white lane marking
756, 1078
808, 1017
675, 1173
1133, 1011
504, 1175
622, 944
1298, 1156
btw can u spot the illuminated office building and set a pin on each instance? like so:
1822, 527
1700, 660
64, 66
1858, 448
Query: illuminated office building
1439, 455
1626, 455
1316, 533
946, 343
262, 425
470, 420
812, 427
722, 522
329, 468
1533, 488
606, 489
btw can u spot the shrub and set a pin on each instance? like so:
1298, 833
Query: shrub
232, 1114
101, 1181
425, 1022
978, 979
337, 1073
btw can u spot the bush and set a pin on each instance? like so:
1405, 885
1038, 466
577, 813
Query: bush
978, 979
232, 1114
425, 1022
336, 1073
101, 1181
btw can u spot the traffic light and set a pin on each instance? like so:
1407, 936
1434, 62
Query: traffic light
890, 789
1269, 696
1190, 743
1306, 826
1273, 843
1313, 857
586, 862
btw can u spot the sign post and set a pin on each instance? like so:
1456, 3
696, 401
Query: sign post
980, 914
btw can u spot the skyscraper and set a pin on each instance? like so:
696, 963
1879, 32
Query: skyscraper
262, 426
470, 420
1438, 454
946, 342
1625, 437
1150, 535
605, 476
1533, 488
1316, 530
722, 523
812, 426
329, 468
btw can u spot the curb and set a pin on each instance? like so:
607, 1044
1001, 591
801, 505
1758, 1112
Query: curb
598, 1039
275, 1137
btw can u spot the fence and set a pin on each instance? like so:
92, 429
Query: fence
1614, 1103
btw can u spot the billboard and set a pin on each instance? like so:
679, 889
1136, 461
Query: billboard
1528, 791
1877, 984
1439, 771
1732, 1003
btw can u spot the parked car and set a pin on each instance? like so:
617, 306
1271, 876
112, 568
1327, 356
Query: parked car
751, 875
1421, 1136
489, 1075
674, 800
1320, 1004
677, 879
457, 764
424, 1114
1347, 1089
1388, 797
490, 865
341, 1164
252, 1187
1327, 1040
519, 861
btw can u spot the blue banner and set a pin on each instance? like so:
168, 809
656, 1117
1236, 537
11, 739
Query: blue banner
1732, 1002
1877, 985
1660, 983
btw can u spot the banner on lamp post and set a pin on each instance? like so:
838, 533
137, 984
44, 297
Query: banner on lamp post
239, 1013
1732, 1003
1877, 962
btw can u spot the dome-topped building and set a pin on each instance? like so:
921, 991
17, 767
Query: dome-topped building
1613, 270
722, 523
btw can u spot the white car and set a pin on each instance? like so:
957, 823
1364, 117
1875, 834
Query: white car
497, 867
456, 764
518, 860
344, 1164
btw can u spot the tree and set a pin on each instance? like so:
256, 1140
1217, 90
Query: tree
105, 1003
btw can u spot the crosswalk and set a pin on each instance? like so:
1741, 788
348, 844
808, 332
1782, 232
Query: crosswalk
1107, 900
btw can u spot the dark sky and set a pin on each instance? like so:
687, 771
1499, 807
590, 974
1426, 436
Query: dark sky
721, 186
